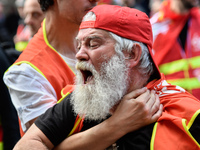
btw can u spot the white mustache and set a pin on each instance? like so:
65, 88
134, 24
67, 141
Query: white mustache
82, 65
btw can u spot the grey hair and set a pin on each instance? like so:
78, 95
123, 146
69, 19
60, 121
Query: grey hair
122, 44
90, 16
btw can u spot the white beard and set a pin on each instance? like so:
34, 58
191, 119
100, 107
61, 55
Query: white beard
94, 100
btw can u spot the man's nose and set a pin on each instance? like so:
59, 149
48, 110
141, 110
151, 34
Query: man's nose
82, 54
28, 19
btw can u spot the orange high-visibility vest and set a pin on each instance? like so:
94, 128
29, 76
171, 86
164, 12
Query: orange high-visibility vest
44, 58
179, 123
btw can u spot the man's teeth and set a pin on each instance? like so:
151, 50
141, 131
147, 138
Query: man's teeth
88, 79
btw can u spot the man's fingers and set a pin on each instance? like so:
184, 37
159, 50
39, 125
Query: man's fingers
157, 114
152, 100
134, 94
156, 105
112, 110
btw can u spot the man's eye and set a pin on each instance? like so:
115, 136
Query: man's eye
94, 44
78, 46
36, 15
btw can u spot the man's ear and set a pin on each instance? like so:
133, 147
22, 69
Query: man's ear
134, 56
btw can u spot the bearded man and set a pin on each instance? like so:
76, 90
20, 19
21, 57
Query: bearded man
114, 58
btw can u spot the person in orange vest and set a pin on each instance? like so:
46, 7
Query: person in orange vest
114, 57
47, 64
176, 47
33, 17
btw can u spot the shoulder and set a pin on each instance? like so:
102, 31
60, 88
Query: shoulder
57, 122
22, 72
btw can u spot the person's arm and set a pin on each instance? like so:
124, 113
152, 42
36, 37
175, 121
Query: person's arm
30, 92
132, 113
33, 139
135, 111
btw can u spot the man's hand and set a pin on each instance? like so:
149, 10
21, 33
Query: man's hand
137, 109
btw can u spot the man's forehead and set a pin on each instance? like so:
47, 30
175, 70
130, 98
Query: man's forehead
85, 33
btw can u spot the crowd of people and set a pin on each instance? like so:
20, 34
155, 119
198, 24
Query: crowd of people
100, 74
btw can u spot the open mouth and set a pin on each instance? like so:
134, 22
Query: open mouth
87, 76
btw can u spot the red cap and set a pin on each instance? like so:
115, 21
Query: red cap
126, 22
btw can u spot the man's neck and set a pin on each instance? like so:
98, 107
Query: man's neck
61, 35
138, 80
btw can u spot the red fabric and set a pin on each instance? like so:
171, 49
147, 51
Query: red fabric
165, 42
177, 105
170, 38
121, 21
23, 33
166, 46
20, 128
20, 28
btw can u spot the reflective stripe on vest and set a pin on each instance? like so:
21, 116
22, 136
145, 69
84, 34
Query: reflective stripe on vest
186, 83
76, 125
153, 136
180, 65
187, 126
33, 66
1, 145
20, 46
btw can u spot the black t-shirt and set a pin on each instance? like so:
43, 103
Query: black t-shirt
59, 120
